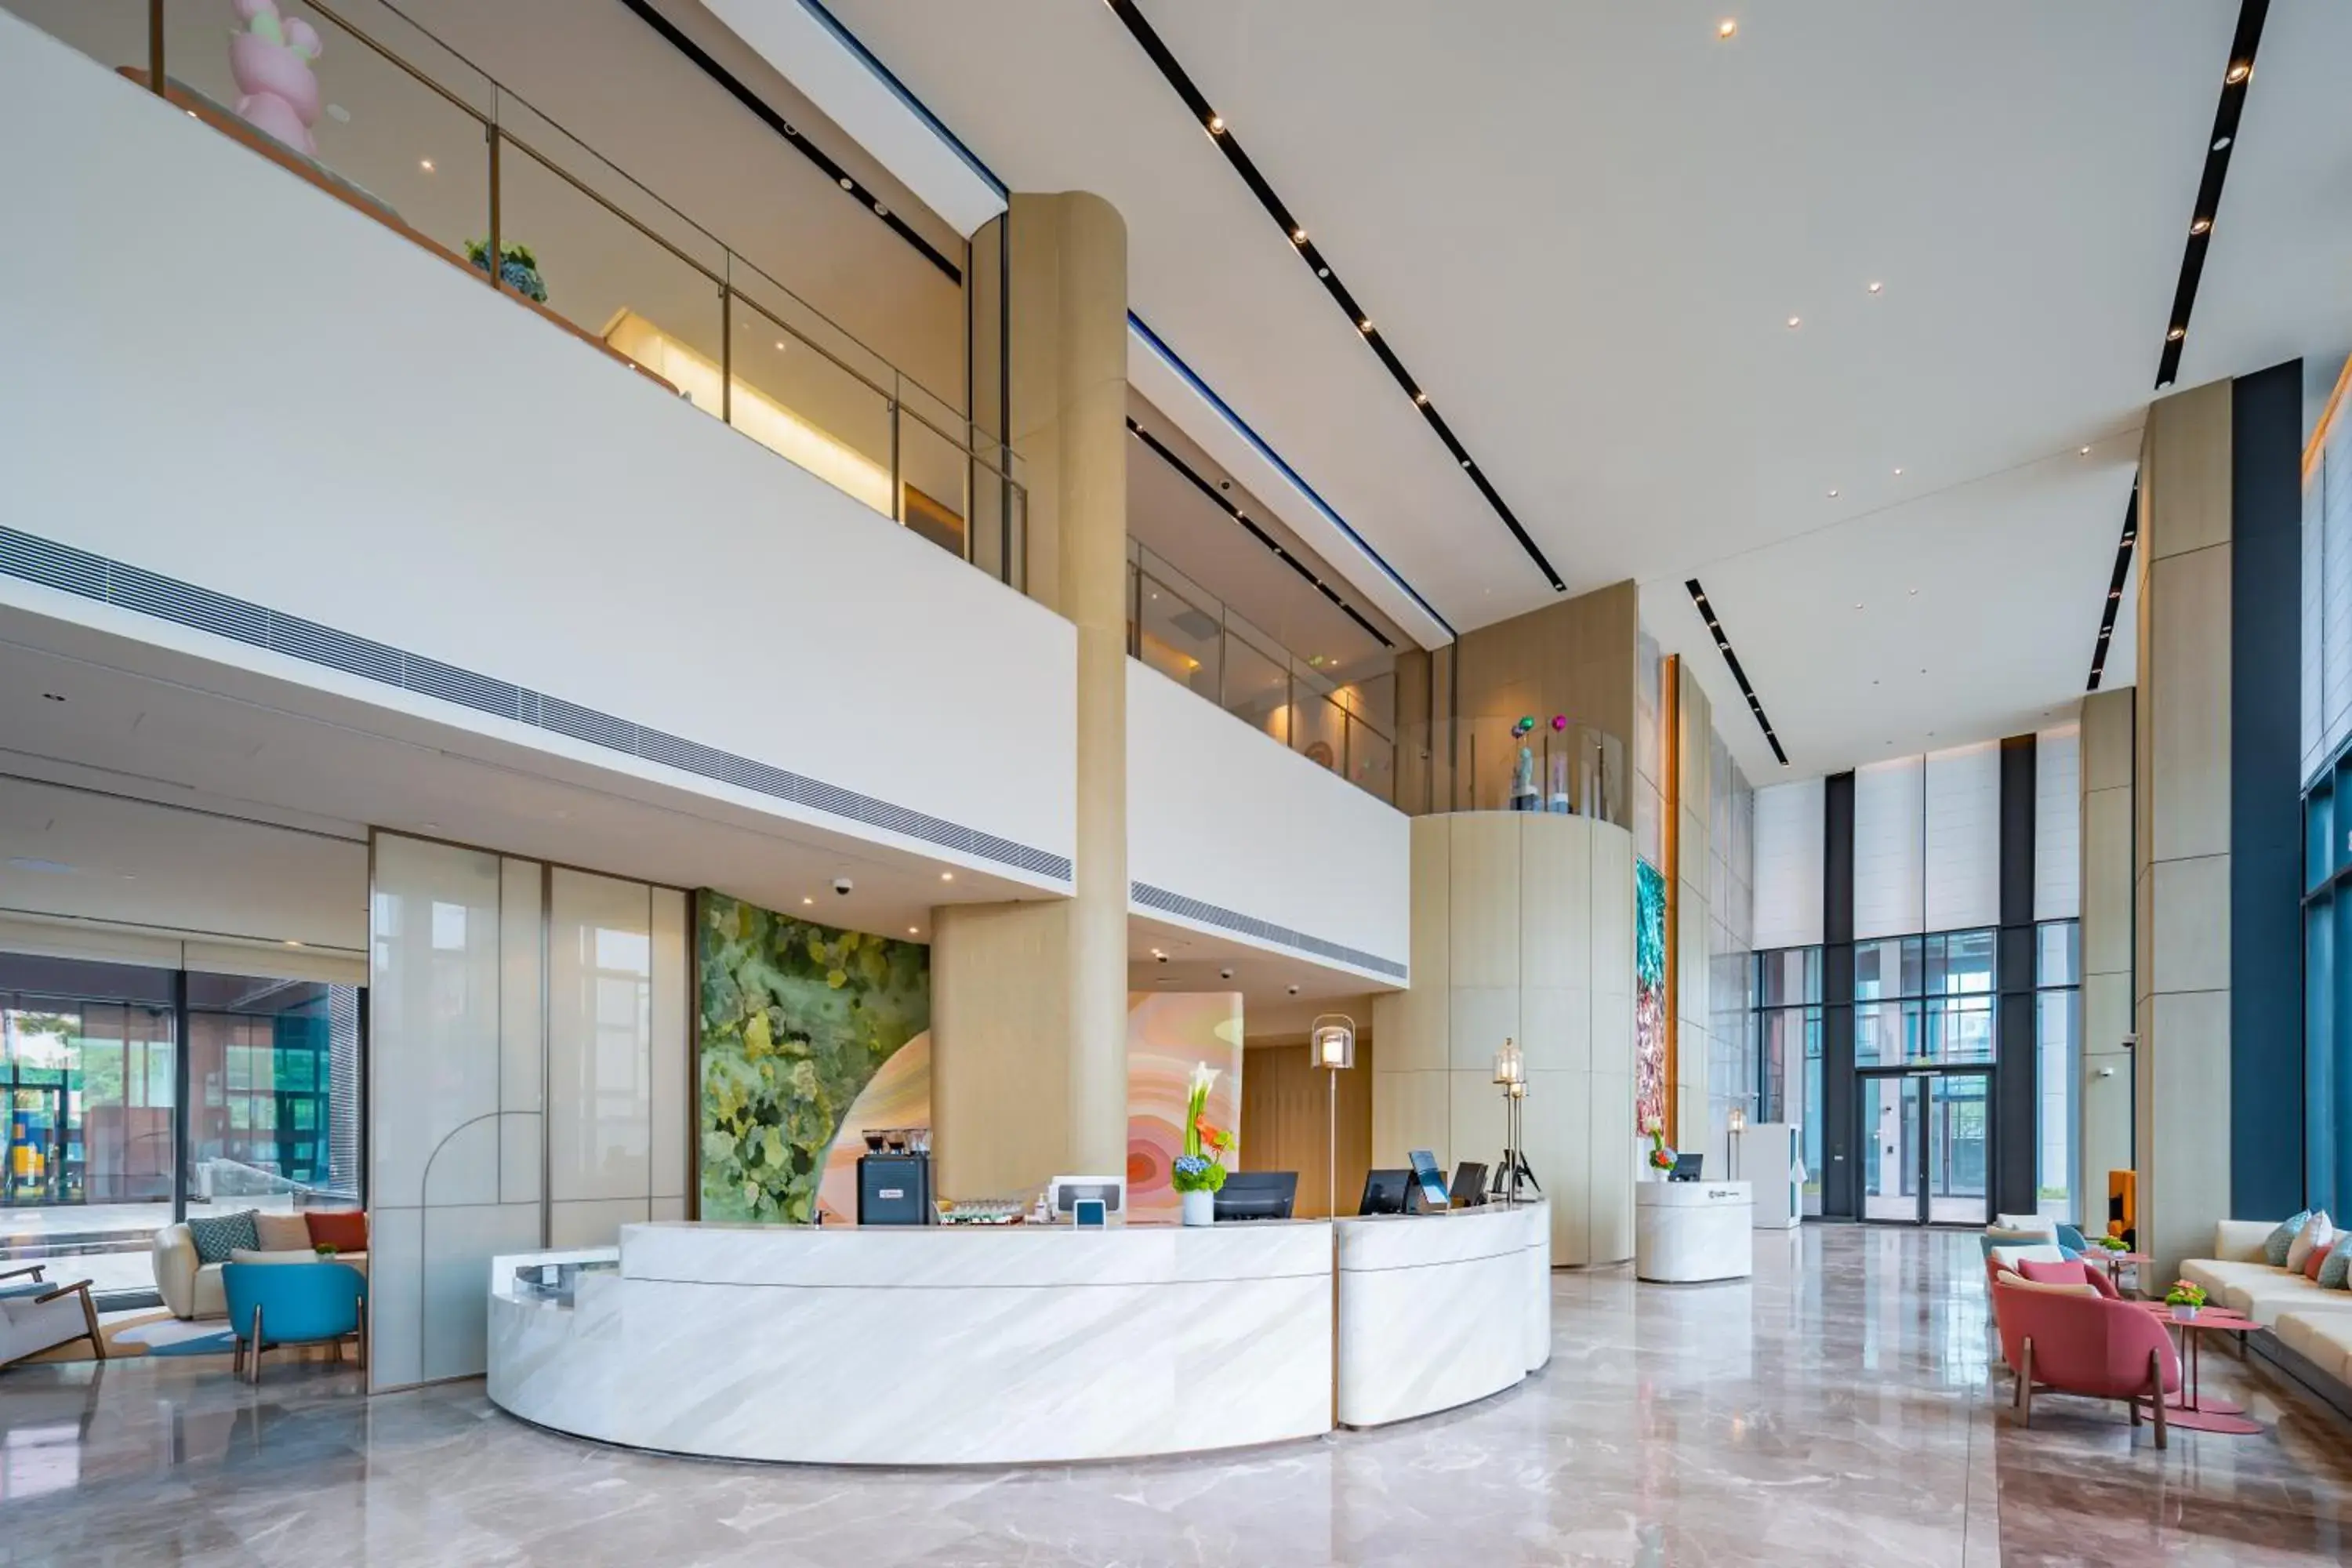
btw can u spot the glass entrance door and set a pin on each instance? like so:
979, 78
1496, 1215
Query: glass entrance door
1927, 1147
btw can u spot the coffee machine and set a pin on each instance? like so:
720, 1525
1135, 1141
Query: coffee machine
894, 1177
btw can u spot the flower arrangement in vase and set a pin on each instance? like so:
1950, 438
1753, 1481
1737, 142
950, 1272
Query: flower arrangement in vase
1660, 1159
1199, 1172
2109, 1243
2185, 1299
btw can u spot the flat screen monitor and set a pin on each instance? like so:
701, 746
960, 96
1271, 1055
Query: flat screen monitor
1384, 1192
1064, 1193
1430, 1179
1257, 1194
1685, 1168
1469, 1185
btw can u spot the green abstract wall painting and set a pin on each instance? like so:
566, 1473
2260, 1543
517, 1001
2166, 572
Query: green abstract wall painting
796, 1018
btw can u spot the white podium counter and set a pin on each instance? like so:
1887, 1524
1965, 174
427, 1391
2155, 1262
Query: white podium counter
954, 1345
1686, 1232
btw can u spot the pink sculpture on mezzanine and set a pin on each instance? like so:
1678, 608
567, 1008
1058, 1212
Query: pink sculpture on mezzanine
270, 58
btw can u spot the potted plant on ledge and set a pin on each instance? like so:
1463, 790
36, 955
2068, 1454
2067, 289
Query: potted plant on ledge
2185, 1299
1660, 1159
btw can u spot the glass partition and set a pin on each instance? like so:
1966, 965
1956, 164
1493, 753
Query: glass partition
1561, 765
387, 120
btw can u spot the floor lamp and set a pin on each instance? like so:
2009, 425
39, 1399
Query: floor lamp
1511, 1078
1737, 1127
1331, 1045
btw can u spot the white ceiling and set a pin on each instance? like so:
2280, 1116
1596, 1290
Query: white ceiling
1584, 226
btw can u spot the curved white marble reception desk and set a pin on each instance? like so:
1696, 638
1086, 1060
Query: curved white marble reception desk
1436, 1310
931, 1345
946, 1345
1687, 1233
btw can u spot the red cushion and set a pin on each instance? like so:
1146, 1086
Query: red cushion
2073, 1272
345, 1230
2311, 1264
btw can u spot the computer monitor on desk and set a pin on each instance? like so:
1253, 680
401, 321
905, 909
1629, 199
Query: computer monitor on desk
1257, 1194
1469, 1189
1384, 1192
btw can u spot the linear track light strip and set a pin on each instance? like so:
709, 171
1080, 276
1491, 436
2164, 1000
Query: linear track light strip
1714, 624
1294, 234
2112, 609
2237, 79
848, 184
1225, 503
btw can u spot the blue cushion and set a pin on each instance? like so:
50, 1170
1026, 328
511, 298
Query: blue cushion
2335, 1269
2072, 1238
218, 1237
2275, 1249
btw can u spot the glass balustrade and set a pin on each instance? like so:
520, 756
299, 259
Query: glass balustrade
1557, 763
375, 112
1340, 719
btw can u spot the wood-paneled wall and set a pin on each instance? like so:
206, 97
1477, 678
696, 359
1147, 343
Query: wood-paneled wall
1285, 1120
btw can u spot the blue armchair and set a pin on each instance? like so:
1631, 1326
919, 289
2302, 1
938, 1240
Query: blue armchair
293, 1304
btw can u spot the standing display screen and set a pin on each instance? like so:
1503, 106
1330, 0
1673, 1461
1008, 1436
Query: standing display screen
1431, 1178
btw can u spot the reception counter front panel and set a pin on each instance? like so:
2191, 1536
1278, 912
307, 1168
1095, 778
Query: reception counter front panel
1020, 1344
930, 1346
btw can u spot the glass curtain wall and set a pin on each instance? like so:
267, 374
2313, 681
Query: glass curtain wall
96, 1128
1789, 1051
2057, 1053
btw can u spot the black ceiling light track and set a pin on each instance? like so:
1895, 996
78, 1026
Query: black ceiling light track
850, 185
2237, 77
1294, 234
2115, 590
1731, 660
1238, 515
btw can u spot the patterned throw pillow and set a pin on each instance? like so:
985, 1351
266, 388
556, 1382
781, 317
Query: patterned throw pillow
2336, 1273
218, 1237
2318, 1233
2275, 1249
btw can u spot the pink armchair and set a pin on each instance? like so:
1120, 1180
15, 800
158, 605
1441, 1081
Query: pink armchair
2054, 1337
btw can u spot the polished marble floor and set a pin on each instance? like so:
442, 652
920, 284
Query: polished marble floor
1839, 1410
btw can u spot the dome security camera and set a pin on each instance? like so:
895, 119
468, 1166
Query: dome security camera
1224, 974
843, 886
1294, 991
1159, 957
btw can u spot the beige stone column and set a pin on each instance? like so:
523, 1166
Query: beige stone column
1692, 998
2103, 1095
1029, 1050
2180, 810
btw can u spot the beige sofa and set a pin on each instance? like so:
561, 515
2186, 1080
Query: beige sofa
192, 1289
2316, 1325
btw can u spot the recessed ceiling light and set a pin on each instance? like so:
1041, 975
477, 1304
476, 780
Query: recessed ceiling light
912, 930
2176, 334
1858, 604
780, 345
2239, 72
2083, 451
1898, 473
1878, 288
426, 165
808, 900
947, 876
2202, 225
1727, 28
1915, 591
1364, 325
1465, 462
1796, 322
292, 942
2221, 145
1297, 236
847, 183
1833, 492
1322, 272
1421, 397
1216, 126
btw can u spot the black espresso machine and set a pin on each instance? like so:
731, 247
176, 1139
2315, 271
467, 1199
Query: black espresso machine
894, 1177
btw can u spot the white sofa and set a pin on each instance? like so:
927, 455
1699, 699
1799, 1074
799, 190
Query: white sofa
2313, 1323
37, 1313
194, 1290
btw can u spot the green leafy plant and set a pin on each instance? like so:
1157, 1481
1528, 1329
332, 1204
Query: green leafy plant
796, 1018
2185, 1294
326, 1250
2111, 1243
1196, 1174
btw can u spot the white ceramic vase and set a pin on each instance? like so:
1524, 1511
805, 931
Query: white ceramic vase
1200, 1207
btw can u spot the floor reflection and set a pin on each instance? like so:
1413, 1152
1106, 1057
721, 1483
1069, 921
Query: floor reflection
1840, 1408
